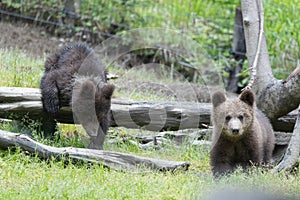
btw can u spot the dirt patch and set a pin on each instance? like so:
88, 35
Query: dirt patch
171, 92
30, 39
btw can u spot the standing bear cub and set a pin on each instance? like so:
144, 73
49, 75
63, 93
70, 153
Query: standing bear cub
242, 135
75, 77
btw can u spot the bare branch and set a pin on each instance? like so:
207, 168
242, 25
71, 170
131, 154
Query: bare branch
294, 74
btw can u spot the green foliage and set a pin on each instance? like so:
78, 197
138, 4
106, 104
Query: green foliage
106, 13
210, 23
282, 25
106, 16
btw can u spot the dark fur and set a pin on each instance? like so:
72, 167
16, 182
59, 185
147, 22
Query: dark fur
74, 76
242, 135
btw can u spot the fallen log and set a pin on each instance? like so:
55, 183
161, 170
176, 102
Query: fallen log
154, 116
15, 103
291, 157
181, 136
285, 123
195, 137
113, 160
17, 94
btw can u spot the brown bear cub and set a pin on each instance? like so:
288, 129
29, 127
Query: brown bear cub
242, 134
74, 76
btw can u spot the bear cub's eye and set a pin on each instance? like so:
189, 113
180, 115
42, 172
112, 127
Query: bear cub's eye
241, 117
228, 117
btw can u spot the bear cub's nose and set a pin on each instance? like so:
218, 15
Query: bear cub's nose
235, 131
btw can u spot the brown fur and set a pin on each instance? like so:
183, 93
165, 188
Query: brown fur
74, 76
242, 135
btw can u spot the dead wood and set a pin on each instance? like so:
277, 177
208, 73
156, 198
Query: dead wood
195, 137
292, 154
113, 160
150, 115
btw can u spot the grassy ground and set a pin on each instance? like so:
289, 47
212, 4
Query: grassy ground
27, 177
17, 69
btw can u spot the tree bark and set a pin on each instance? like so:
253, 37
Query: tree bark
113, 160
70, 12
274, 97
154, 116
251, 22
17, 94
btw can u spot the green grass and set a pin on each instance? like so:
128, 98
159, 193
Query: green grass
211, 24
17, 69
27, 177
139, 78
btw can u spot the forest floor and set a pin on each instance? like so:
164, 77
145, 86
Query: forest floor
28, 38
36, 42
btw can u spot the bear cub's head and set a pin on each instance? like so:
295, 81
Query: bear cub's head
233, 116
89, 97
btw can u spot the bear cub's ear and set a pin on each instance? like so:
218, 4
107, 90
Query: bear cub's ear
218, 98
108, 90
51, 62
248, 97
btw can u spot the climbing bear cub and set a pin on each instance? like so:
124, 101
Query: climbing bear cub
74, 76
242, 135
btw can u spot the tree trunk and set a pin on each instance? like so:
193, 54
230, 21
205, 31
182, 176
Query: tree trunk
274, 97
238, 52
70, 12
114, 160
